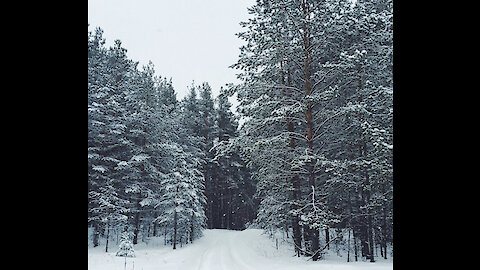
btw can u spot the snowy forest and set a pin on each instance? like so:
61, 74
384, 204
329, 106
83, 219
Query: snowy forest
308, 151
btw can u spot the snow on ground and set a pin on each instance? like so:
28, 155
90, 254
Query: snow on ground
222, 250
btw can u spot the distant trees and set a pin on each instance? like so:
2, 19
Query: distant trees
151, 158
316, 96
231, 188
228, 187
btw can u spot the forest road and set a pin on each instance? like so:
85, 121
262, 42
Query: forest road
252, 250
224, 250
221, 250
228, 250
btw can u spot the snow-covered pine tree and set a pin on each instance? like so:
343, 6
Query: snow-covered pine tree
182, 200
142, 168
105, 145
137, 141
125, 248
294, 47
181, 205
268, 103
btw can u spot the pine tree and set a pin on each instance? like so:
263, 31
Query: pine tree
106, 205
137, 143
126, 247
310, 66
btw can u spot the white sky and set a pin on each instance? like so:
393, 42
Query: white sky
185, 39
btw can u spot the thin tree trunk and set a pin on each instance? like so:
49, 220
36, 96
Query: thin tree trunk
175, 224
175, 228
384, 229
369, 214
385, 250
355, 248
229, 207
327, 238
381, 250
137, 225
370, 239
191, 228
222, 212
165, 236
96, 234
348, 246
108, 236
154, 228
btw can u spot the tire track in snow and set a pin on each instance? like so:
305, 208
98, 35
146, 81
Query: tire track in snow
235, 244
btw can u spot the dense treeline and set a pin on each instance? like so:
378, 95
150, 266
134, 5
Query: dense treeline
316, 96
152, 169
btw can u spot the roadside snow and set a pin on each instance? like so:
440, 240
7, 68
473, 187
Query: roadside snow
222, 250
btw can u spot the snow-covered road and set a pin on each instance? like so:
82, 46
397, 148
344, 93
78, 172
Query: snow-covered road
222, 250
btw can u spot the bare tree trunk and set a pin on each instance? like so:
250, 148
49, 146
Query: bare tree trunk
385, 250
222, 212
384, 230
165, 236
355, 246
175, 228
348, 246
370, 239
191, 228
137, 226
327, 238
381, 250
175, 225
108, 236
96, 234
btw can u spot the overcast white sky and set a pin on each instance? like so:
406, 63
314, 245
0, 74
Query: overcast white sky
185, 39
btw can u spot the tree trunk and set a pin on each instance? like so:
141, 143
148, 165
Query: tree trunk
297, 235
175, 228
370, 239
96, 234
313, 233
384, 229
355, 246
229, 209
154, 228
327, 238
381, 250
175, 224
108, 236
137, 224
385, 250
165, 236
191, 228
369, 214
348, 246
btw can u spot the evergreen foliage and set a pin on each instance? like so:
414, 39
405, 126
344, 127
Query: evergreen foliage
149, 156
126, 247
316, 96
